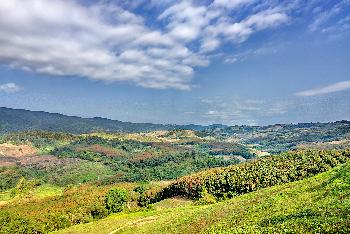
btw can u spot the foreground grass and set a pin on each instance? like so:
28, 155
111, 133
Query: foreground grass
320, 204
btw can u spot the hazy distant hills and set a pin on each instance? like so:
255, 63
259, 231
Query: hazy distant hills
19, 120
12, 120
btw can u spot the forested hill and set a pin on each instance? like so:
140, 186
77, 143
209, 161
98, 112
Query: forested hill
19, 120
13, 120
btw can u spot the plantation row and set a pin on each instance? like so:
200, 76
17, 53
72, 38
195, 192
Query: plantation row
243, 178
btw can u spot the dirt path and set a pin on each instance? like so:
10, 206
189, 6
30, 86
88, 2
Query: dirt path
138, 222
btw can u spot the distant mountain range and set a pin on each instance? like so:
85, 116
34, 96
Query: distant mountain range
12, 120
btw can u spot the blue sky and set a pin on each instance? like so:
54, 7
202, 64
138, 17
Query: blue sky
220, 61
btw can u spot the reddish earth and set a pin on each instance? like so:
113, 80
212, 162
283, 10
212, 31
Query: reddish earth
25, 155
38, 161
46, 161
9, 150
7, 161
143, 156
110, 152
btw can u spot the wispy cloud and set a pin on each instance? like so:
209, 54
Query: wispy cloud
337, 87
330, 18
233, 110
261, 51
108, 42
10, 88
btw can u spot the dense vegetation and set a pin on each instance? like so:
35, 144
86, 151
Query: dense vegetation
135, 161
319, 204
44, 208
73, 172
53, 180
85, 203
248, 177
40, 215
282, 137
273, 138
19, 120
115, 200
64, 159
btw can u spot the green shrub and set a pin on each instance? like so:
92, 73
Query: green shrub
9, 177
98, 212
24, 187
206, 199
145, 199
115, 200
12, 223
56, 221
142, 188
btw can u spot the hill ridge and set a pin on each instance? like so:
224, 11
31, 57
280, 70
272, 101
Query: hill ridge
13, 120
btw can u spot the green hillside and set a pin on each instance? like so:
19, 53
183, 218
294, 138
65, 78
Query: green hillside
319, 204
40, 206
50, 181
64, 159
20, 120
273, 138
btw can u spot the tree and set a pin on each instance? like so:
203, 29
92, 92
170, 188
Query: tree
115, 200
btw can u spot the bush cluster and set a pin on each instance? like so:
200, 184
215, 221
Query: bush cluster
115, 200
42, 215
253, 175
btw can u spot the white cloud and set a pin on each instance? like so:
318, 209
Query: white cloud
265, 19
100, 42
210, 44
10, 88
337, 87
185, 20
231, 3
108, 43
228, 30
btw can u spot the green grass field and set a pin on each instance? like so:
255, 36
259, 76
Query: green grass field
320, 204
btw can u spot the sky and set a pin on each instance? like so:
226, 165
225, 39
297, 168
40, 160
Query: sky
231, 62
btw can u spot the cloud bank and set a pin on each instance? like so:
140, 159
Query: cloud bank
110, 43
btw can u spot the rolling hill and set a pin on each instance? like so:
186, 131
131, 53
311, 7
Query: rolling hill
311, 195
56, 172
12, 120
319, 204
18, 120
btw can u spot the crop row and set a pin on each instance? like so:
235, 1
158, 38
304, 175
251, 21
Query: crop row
253, 175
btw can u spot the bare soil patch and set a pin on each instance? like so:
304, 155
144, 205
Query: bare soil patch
10, 150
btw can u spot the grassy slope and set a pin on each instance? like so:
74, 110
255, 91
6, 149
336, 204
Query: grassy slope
318, 204
40, 192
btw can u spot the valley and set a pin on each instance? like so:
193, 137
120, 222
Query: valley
198, 178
